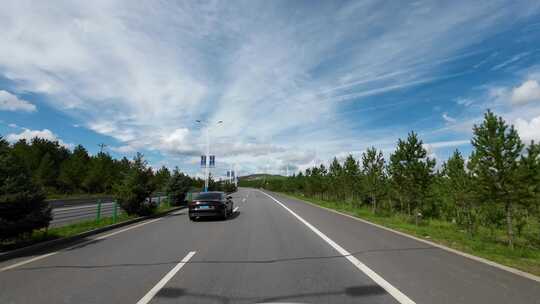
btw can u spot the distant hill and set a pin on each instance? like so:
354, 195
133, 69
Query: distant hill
259, 176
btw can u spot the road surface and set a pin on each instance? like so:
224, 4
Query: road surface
280, 250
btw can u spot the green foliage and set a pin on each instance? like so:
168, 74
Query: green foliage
229, 187
178, 187
495, 164
374, 175
412, 173
459, 187
74, 170
162, 178
103, 172
133, 193
22, 205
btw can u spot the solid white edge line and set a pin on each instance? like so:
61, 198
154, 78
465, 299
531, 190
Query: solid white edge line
150, 294
452, 250
126, 229
39, 257
393, 291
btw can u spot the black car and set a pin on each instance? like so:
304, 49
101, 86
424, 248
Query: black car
211, 204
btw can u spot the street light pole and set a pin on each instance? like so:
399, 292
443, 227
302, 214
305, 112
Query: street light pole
207, 162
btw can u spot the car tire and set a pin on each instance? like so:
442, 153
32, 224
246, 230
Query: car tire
192, 218
225, 214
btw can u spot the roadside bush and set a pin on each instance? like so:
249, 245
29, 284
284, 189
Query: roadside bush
229, 187
22, 203
178, 187
134, 191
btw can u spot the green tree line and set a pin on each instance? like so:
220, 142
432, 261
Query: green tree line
31, 170
497, 187
57, 170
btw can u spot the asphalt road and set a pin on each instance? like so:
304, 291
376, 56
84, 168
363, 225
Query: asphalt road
285, 251
68, 213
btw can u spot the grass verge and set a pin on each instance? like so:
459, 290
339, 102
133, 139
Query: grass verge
485, 244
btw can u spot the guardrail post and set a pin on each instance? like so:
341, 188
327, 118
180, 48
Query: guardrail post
98, 213
115, 211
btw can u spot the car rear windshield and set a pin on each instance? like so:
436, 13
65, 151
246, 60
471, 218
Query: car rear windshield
209, 196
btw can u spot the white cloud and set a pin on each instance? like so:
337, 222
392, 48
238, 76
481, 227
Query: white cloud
12, 125
528, 130
30, 134
448, 119
124, 149
10, 102
446, 144
465, 101
529, 91
510, 61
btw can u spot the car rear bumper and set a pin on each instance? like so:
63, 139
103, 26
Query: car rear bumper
205, 213
196, 212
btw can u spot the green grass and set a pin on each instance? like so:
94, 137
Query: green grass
526, 255
71, 230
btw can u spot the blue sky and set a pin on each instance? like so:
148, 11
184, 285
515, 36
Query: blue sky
295, 82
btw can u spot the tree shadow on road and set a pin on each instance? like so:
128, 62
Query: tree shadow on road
253, 261
352, 291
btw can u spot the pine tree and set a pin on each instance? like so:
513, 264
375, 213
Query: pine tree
335, 175
162, 178
45, 174
374, 176
529, 179
134, 191
4, 146
73, 170
352, 176
497, 148
22, 202
102, 174
178, 187
412, 172
459, 183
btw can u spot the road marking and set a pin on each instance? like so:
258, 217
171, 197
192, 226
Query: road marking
235, 209
126, 229
148, 297
39, 257
244, 200
394, 292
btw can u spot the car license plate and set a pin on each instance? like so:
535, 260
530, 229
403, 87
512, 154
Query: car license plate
205, 207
